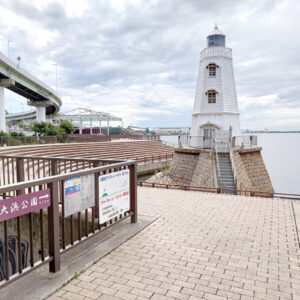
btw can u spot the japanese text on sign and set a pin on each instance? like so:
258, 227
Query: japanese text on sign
113, 195
24, 204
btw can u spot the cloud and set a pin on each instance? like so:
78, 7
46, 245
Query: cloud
140, 59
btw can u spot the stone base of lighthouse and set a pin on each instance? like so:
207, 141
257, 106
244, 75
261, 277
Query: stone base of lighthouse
197, 167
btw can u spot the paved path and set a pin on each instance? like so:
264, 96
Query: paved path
203, 246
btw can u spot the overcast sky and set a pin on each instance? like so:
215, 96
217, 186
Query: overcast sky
139, 59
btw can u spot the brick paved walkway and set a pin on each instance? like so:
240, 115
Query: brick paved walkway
203, 246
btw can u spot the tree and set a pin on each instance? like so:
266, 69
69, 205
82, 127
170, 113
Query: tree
67, 126
47, 129
39, 128
50, 130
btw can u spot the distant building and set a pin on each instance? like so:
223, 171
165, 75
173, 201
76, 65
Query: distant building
215, 107
171, 130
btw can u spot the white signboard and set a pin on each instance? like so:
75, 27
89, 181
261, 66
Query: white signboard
113, 195
79, 194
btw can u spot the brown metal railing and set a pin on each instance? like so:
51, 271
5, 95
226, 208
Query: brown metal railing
36, 167
45, 234
154, 158
30, 140
221, 191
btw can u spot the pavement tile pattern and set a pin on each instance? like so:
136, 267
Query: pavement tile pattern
203, 246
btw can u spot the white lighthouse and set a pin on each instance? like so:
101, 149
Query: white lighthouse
215, 107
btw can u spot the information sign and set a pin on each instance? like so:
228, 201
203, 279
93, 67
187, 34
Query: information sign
113, 195
79, 194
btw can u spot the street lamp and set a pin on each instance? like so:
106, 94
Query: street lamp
19, 60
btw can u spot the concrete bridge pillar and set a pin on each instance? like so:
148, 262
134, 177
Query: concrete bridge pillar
2, 110
41, 114
80, 126
108, 127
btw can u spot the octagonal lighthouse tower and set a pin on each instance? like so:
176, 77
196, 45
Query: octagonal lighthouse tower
215, 107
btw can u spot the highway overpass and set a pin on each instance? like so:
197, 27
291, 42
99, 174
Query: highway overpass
38, 94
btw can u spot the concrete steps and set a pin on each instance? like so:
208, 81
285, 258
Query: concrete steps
226, 174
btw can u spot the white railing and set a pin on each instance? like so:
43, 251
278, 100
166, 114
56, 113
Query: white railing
244, 141
232, 164
220, 141
219, 179
215, 51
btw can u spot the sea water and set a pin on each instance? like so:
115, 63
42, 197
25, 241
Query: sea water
281, 154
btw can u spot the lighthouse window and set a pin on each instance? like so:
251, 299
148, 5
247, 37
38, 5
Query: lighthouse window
211, 95
212, 70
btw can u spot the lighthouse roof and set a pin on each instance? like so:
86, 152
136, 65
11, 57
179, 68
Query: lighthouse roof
216, 31
216, 38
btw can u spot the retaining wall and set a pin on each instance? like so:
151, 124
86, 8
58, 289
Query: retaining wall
196, 167
251, 172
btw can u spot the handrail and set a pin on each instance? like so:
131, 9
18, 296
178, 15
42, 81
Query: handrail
218, 167
54, 178
61, 158
295, 197
232, 162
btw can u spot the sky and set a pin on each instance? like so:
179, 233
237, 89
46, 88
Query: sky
139, 59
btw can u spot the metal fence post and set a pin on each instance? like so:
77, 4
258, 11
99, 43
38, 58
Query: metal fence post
53, 222
133, 192
20, 172
54, 167
96, 182
53, 228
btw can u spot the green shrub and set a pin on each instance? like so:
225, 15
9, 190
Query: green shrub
13, 142
3, 134
13, 133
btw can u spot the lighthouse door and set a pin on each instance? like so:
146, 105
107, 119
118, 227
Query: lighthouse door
208, 138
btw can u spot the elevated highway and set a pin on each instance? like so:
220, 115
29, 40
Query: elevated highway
38, 94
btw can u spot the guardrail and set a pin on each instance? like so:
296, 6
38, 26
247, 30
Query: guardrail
45, 233
155, 158
219, 140
244, 141
222, 191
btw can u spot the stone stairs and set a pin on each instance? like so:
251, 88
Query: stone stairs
226, 174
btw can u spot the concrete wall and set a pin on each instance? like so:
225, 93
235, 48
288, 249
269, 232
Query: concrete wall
152, 167
251, 172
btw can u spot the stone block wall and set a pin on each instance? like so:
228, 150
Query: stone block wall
183, 165
196, 167
251, 172
204, 170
